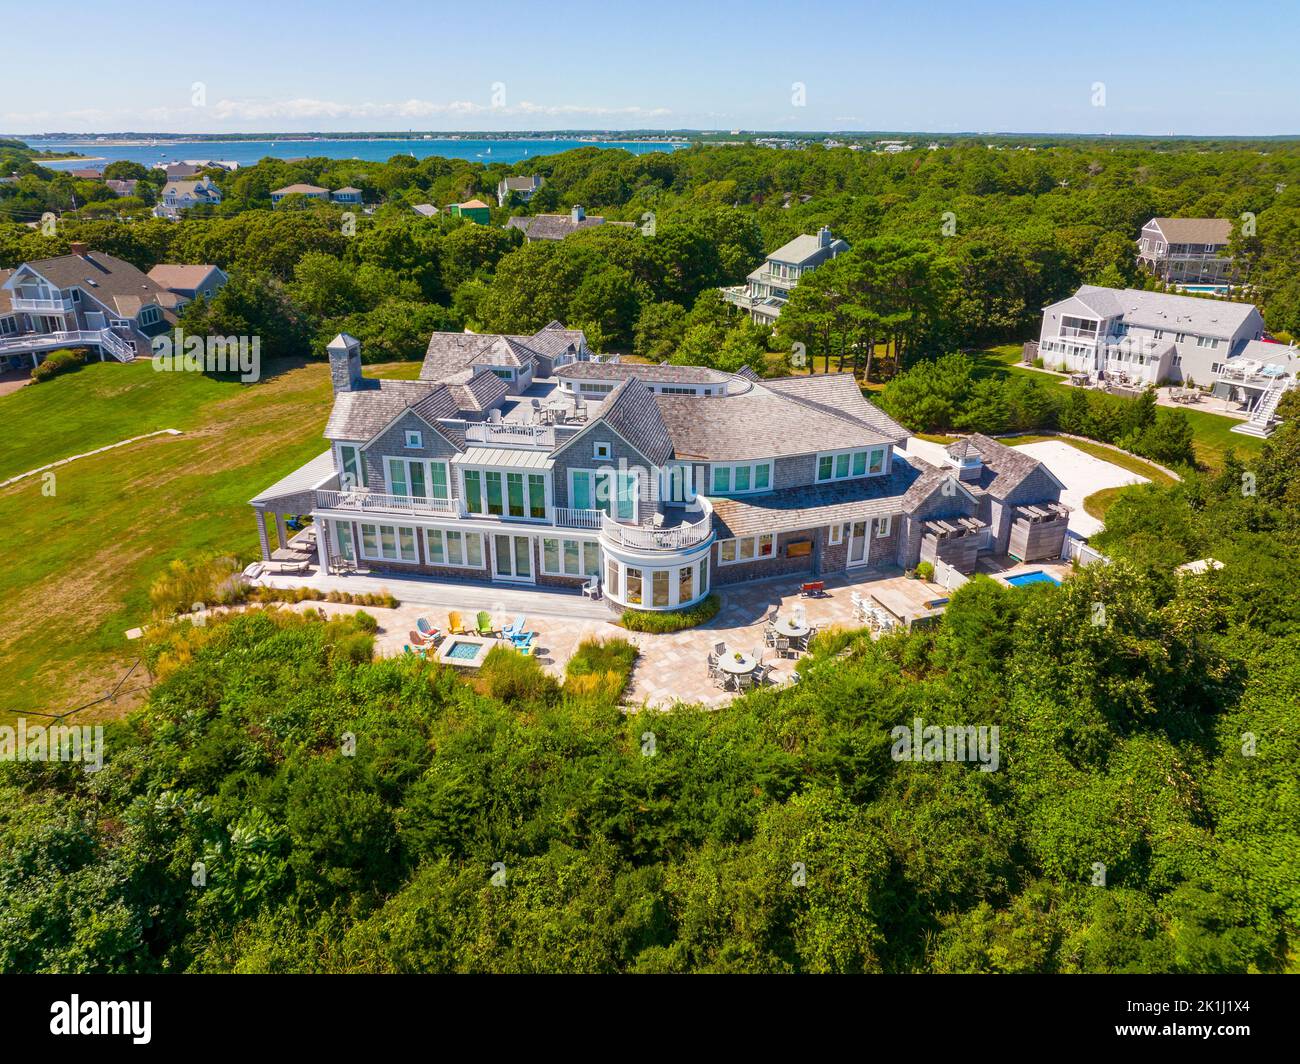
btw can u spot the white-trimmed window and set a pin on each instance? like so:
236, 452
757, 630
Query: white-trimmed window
835, 535
613, 491
602, 452
505, 494
388, 543
149, 316
1207, 341
352, 465
740, 478
570, 557
848, 465
414, 439
463, 550
746, 549
883, 525
416, 478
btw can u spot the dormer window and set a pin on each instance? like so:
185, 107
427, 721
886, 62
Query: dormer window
414, 439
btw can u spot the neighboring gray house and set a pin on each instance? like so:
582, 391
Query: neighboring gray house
299, 189
85, 299
347, 194
1187, 250
1140, 339
188, 282
522, 187
660, 490
179, 196
556, 226
767, 289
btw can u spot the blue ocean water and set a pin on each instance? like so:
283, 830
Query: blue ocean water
248, 152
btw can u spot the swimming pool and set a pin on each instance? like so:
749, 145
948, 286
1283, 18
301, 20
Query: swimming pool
1036, 577
1213, 289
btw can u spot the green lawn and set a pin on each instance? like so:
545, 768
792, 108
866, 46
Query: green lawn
96, 406
90, 551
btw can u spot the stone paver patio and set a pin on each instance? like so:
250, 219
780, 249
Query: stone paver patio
671, 668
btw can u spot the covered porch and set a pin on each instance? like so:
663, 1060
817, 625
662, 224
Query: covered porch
281, 511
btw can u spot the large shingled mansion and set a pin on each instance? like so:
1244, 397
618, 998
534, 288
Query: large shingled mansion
528, 460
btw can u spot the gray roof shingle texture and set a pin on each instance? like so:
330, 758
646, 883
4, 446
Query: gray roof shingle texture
631, 411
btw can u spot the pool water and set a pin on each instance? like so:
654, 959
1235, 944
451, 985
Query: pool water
463, 651
1036, 577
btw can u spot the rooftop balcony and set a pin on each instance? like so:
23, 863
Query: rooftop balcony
363, 500
682, 527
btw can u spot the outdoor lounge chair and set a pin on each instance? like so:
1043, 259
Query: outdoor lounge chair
426, 629
485, 623
455, 625
592, 588
419, 641
523, 641
514, 628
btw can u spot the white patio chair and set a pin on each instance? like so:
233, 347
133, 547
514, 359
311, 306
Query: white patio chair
592, 588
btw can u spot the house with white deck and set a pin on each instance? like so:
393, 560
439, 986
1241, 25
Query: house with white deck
83, 299
768, 288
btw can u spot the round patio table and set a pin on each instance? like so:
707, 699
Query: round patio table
792, 628
728, 663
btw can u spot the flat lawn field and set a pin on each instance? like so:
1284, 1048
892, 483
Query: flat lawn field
1211, 434
82, 559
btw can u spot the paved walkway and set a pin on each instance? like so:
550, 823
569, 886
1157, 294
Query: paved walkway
87, 454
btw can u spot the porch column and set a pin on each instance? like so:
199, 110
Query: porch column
279, 530
261, 534
323, 545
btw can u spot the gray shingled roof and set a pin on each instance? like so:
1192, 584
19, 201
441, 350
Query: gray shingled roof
759, 423
818, 504
108, 279
555, 226
1158, 310
362, 414
554, 340
1195, 230
839, 392
630, 410
1004, 467
318, 473
660, 374
481, 392
807, 249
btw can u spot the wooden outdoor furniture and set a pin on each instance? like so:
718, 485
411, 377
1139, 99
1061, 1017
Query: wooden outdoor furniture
813, 589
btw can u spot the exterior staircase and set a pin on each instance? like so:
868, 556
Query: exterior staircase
1261, 421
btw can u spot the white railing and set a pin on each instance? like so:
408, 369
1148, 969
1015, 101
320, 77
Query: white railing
379, 502
66, 337
120, 349
511, 435
646, 537
568, 518
29, 303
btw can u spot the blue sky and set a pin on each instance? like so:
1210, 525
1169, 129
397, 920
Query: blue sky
979, 65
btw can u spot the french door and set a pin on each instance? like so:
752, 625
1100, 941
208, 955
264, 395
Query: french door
512, 558
343, 536
859, 543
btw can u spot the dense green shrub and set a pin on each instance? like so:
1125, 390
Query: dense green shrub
672, 620
59, 362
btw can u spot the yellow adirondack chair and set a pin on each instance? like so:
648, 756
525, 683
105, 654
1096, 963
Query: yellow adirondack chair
454, 624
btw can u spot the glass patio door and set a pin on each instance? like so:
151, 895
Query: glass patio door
512, 558
859, 543
344, 539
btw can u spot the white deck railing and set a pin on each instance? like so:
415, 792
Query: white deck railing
511, 434
105, 338
569, 518
379, 502
36, 304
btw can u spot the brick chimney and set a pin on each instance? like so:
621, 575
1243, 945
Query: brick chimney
577, 214
76, 247
345, 363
